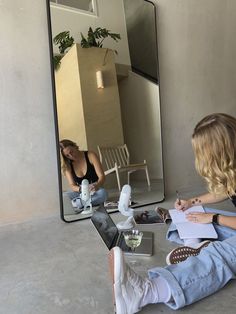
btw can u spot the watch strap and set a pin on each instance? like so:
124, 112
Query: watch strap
215, 219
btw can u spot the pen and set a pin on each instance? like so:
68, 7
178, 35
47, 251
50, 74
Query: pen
178, 198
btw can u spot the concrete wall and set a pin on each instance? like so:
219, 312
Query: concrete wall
28, 177
197, 49
139, 100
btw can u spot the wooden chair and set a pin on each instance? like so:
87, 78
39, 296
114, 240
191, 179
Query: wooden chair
116, 159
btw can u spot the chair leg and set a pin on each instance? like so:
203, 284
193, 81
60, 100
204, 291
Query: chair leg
118, 179
128, 177
147, 175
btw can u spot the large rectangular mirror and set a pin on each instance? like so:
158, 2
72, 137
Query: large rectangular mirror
108, 102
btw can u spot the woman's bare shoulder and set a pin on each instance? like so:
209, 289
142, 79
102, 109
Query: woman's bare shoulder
91, 153
92, 156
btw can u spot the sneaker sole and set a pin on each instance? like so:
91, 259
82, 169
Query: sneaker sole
116, 271
180, 254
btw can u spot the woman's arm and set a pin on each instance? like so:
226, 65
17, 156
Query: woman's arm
204, 199
72, 184
227, 221
204, 218
94, 160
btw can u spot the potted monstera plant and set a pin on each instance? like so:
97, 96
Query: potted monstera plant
64, 41
94, 38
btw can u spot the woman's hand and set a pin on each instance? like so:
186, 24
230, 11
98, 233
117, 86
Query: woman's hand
182, 204
93, 187
197, 217
94, 160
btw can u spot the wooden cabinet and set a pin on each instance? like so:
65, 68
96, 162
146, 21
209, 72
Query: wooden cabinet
88, 115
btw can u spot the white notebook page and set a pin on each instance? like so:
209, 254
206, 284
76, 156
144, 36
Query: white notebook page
192, 230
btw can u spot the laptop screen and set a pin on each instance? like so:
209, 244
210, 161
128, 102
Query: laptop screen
105, 226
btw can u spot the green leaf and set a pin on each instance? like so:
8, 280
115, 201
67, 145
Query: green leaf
57, 61
95, 37
64, 41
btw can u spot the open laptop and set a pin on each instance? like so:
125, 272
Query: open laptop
113, 237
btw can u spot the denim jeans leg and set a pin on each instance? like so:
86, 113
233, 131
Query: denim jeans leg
71, 194
99, 197
172, 234
223, 232
200, 276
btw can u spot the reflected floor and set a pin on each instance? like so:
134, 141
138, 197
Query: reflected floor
141, 195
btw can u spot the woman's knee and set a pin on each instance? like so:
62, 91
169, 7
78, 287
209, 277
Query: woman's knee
102, 193
70, 194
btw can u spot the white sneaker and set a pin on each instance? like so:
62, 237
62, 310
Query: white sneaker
128, 287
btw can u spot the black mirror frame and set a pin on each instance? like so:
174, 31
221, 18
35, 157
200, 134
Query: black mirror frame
54, 107
56, 118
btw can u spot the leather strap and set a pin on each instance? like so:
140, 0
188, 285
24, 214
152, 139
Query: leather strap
215, 219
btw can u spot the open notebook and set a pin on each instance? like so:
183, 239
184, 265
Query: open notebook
187, 229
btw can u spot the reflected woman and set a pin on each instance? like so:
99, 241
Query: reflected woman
79, 165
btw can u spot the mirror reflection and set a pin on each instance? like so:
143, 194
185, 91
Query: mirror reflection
108, 105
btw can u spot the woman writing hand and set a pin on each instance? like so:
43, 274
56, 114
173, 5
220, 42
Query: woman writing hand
182, 204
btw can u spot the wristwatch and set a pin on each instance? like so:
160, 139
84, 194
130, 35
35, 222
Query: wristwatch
215, 219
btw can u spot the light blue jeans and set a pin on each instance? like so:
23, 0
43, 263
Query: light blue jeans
98, 198
204, 274
200, 276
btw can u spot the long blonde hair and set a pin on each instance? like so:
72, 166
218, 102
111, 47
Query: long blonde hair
214, 144
66, 162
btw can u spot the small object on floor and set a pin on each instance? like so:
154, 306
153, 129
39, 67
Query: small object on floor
111, 205
180, 254
154, 216
164, 213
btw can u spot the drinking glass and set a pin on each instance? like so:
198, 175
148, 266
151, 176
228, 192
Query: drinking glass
133, 239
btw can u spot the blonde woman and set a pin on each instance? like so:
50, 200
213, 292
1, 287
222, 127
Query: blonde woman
214, 145
196, 277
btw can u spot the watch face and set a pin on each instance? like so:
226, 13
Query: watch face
215, 219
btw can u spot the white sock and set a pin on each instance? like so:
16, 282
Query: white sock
191, 242
157, 291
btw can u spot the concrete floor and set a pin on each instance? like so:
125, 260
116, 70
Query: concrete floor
48, 266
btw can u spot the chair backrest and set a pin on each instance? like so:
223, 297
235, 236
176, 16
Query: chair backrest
114, 154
